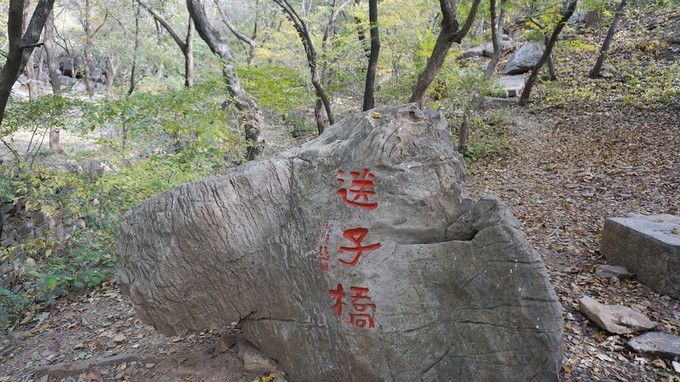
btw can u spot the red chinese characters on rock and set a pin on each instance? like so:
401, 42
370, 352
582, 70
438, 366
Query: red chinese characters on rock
359, 316
356, 236
323, 255
360, 191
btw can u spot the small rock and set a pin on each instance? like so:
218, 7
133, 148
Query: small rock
608, 271
614, 318
676, 366
118, 359
225, 343
254, 361
657, 344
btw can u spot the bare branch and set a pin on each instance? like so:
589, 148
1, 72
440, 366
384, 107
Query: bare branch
178, 40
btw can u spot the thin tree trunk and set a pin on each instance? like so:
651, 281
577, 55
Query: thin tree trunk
552, 74
112, 70
302, 31
326, 45
369, 90
597, 69
238, 34
20, 47
189, 55
48, 45
49, 52
186, 45
86, 48
464, 133
566, 14
252, 119
29, 69
449, 34
41, 64
497, 21
133, 70
321, 121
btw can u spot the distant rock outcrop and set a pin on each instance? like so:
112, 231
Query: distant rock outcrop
525, 58
355, 257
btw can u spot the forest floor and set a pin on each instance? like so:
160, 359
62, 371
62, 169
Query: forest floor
567, 172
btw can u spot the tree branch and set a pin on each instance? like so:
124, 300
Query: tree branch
178, 40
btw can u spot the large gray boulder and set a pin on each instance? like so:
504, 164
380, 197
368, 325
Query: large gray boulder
525, 58
355, 257
648, 246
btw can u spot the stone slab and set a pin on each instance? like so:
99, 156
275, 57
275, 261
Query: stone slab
648, 246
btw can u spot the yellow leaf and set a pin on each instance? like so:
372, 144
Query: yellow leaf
376, 115
567, 368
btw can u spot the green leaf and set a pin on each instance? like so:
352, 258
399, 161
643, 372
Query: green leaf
51, 282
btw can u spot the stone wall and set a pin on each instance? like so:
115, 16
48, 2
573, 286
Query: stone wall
22, 225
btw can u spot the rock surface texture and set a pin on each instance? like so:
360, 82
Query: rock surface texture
355, 257
525, 58
648, 246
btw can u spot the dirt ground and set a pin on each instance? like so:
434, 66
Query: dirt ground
565, 175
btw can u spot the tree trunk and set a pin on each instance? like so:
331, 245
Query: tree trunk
49, 52
186, 45
369, 90
302, 31
497, 21
552, 74
464, 133
238, 34
54, 144
111, 71
20, 47
251, 116
597, 69
133, 70
86, 48
321, 121
449, 34
29, 69
189, 55
566, 14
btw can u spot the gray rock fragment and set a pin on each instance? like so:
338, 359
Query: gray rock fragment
614, 318
657, 344
525, 58
604, 271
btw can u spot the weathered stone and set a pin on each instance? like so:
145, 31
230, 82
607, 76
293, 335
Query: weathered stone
614, 318
608, 271
648, 246
525, 58
118, 359
488, 48
254, 361
512, 86
657, 344
39, 217
452, 291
